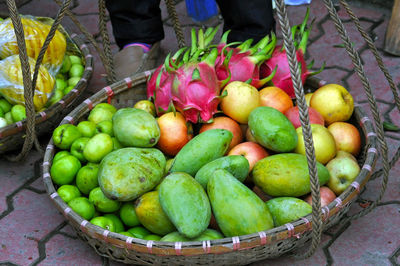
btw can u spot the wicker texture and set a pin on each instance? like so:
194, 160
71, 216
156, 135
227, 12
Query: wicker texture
235, 250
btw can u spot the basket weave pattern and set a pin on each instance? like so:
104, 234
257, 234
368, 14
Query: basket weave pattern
236, 250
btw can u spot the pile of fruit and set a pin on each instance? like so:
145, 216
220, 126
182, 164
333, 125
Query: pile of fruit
218, 152
56, 68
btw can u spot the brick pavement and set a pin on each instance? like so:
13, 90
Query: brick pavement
33, 232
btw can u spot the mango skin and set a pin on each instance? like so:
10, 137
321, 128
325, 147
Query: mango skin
287, 209
202, 149
208, 234
272, 129
128, 173
186, 204
135, 128
286, 174
237, 165
237, 209
151, 216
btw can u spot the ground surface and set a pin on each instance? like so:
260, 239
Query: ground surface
33, 232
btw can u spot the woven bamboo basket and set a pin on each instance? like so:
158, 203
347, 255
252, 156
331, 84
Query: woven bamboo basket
12, 136
236, 250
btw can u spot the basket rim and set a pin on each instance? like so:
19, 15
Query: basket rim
67, 99
218, 246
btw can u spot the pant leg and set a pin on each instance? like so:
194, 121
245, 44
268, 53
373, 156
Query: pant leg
247, 18
135, 21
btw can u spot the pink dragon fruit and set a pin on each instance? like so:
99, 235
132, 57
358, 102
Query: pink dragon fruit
242, 63
282, 78
196, 89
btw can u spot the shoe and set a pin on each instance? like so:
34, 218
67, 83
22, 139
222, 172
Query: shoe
132, 60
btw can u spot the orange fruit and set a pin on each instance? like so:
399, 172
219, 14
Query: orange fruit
227, 123
174, 133
276, 98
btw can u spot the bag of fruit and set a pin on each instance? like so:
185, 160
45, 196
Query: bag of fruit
12, 86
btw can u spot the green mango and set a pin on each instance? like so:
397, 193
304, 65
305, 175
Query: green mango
186, 204
128, 173
202, 149
272, 129
286, 174
135, 128
151, 215
237, 165
287, 209
174, 237
208, 234
237, 209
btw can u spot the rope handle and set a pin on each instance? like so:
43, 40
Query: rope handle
30, 85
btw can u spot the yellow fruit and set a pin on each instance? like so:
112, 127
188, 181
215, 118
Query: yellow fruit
35, 35
12, 85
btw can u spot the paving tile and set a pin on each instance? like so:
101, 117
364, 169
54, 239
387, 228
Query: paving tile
33, 217
13, 176
36, 8
369, 241
62, 250
85, 7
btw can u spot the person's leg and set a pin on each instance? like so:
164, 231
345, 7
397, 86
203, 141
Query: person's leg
138, 30
247, 19
135, 21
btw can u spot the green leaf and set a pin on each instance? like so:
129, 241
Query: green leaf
387, 126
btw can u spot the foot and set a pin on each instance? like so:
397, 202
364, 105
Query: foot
132, 60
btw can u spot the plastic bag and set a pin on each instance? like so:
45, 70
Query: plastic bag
35, 34
12, 86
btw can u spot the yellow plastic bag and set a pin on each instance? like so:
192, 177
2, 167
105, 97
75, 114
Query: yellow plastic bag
12, 86
35, 34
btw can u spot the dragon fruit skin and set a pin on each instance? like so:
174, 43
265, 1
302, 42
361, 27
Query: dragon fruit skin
282, 78
196, 89
161, 93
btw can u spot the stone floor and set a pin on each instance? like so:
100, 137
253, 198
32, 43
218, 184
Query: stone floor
33, 232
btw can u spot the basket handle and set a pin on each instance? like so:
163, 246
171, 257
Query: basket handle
355, 57
30, 85
176, 24
317, 223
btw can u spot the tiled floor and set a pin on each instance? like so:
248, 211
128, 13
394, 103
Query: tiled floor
33, 232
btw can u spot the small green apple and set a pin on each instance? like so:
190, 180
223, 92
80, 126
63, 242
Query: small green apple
60, 154
63, 170
119, 226
107, 106
105, 126
75, 60
18, 112
116, 144
343, 171
61, 84
68, 89
139, 231
83, 207
76, 70
66, 65
97, 147
86, 179
55, 97
65, 135
104, 223
77, 148
147, 106
98, 115
73, 81
101, 202
87, 128
1, 113
5, 105
68, 192
9, 118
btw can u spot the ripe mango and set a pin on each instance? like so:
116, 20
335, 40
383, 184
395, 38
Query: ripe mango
202, 149
135, 128
286, 174
237, 165
237, 209
186, 204
150, 214
128, 173
287, 209
272, 129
